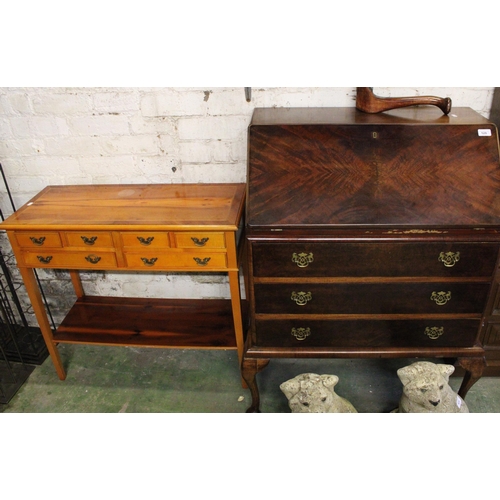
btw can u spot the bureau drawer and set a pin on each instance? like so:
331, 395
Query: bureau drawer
38, 239
145, 240
378, 298
70, 260
176, 260
88, 239
366, 333
302, 259
199, 240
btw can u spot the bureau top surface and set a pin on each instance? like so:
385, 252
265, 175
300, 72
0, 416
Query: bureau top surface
339, 167
149, 206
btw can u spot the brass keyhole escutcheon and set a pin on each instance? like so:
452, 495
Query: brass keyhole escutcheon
200, 242
441, 298
449, 259
301, 298
302, 259
149, 262
202, 262
434, 332
37, 241
301, 333
93, 259
44, 260
89, 241
145, 241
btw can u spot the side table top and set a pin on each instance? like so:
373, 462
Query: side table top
129, 206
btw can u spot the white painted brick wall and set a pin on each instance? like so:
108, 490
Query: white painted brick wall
149, 135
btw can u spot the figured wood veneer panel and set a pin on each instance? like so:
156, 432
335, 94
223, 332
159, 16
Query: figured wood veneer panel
402, 173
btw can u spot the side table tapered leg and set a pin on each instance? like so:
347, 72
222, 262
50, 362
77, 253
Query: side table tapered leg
249, 369
35, 296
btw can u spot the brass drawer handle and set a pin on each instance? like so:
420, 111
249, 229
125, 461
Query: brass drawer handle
441, 298
37, 241
302, 259
301, 333
89, 241
93, 259
301, 298
434, 332
202, 262
149, 262
200, 243
145, 241
449, 259
44, 260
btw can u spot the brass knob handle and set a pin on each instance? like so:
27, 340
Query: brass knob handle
434, 332
89, 241
145, 241
302, 259
44, 260
93, 259
200, 243
301, 333
449, 259
37, 241
149, 262
441, 298
301, 298
202, 262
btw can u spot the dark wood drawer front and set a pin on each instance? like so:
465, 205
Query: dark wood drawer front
302, 259
366, 333
389, 298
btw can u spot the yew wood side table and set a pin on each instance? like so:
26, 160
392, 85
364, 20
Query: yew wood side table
145, 228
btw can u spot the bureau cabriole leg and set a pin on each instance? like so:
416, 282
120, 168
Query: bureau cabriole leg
473, 371
249, 369
41, 315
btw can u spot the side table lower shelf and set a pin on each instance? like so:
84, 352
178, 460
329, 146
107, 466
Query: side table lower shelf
176, 323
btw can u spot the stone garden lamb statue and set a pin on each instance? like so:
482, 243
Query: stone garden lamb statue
312, 393
426, 389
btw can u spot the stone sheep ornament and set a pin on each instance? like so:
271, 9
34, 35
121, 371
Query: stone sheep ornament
312, 393
426, 389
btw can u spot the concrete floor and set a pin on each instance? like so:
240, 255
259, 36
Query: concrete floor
104, 379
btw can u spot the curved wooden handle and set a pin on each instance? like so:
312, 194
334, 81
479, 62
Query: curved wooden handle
368, 102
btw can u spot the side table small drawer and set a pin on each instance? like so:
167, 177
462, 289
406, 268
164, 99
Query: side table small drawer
49, 239
88, 239
145, 239
199, 240
176, 260
70, 260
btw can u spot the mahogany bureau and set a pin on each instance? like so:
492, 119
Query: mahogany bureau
147, 228
371, 236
